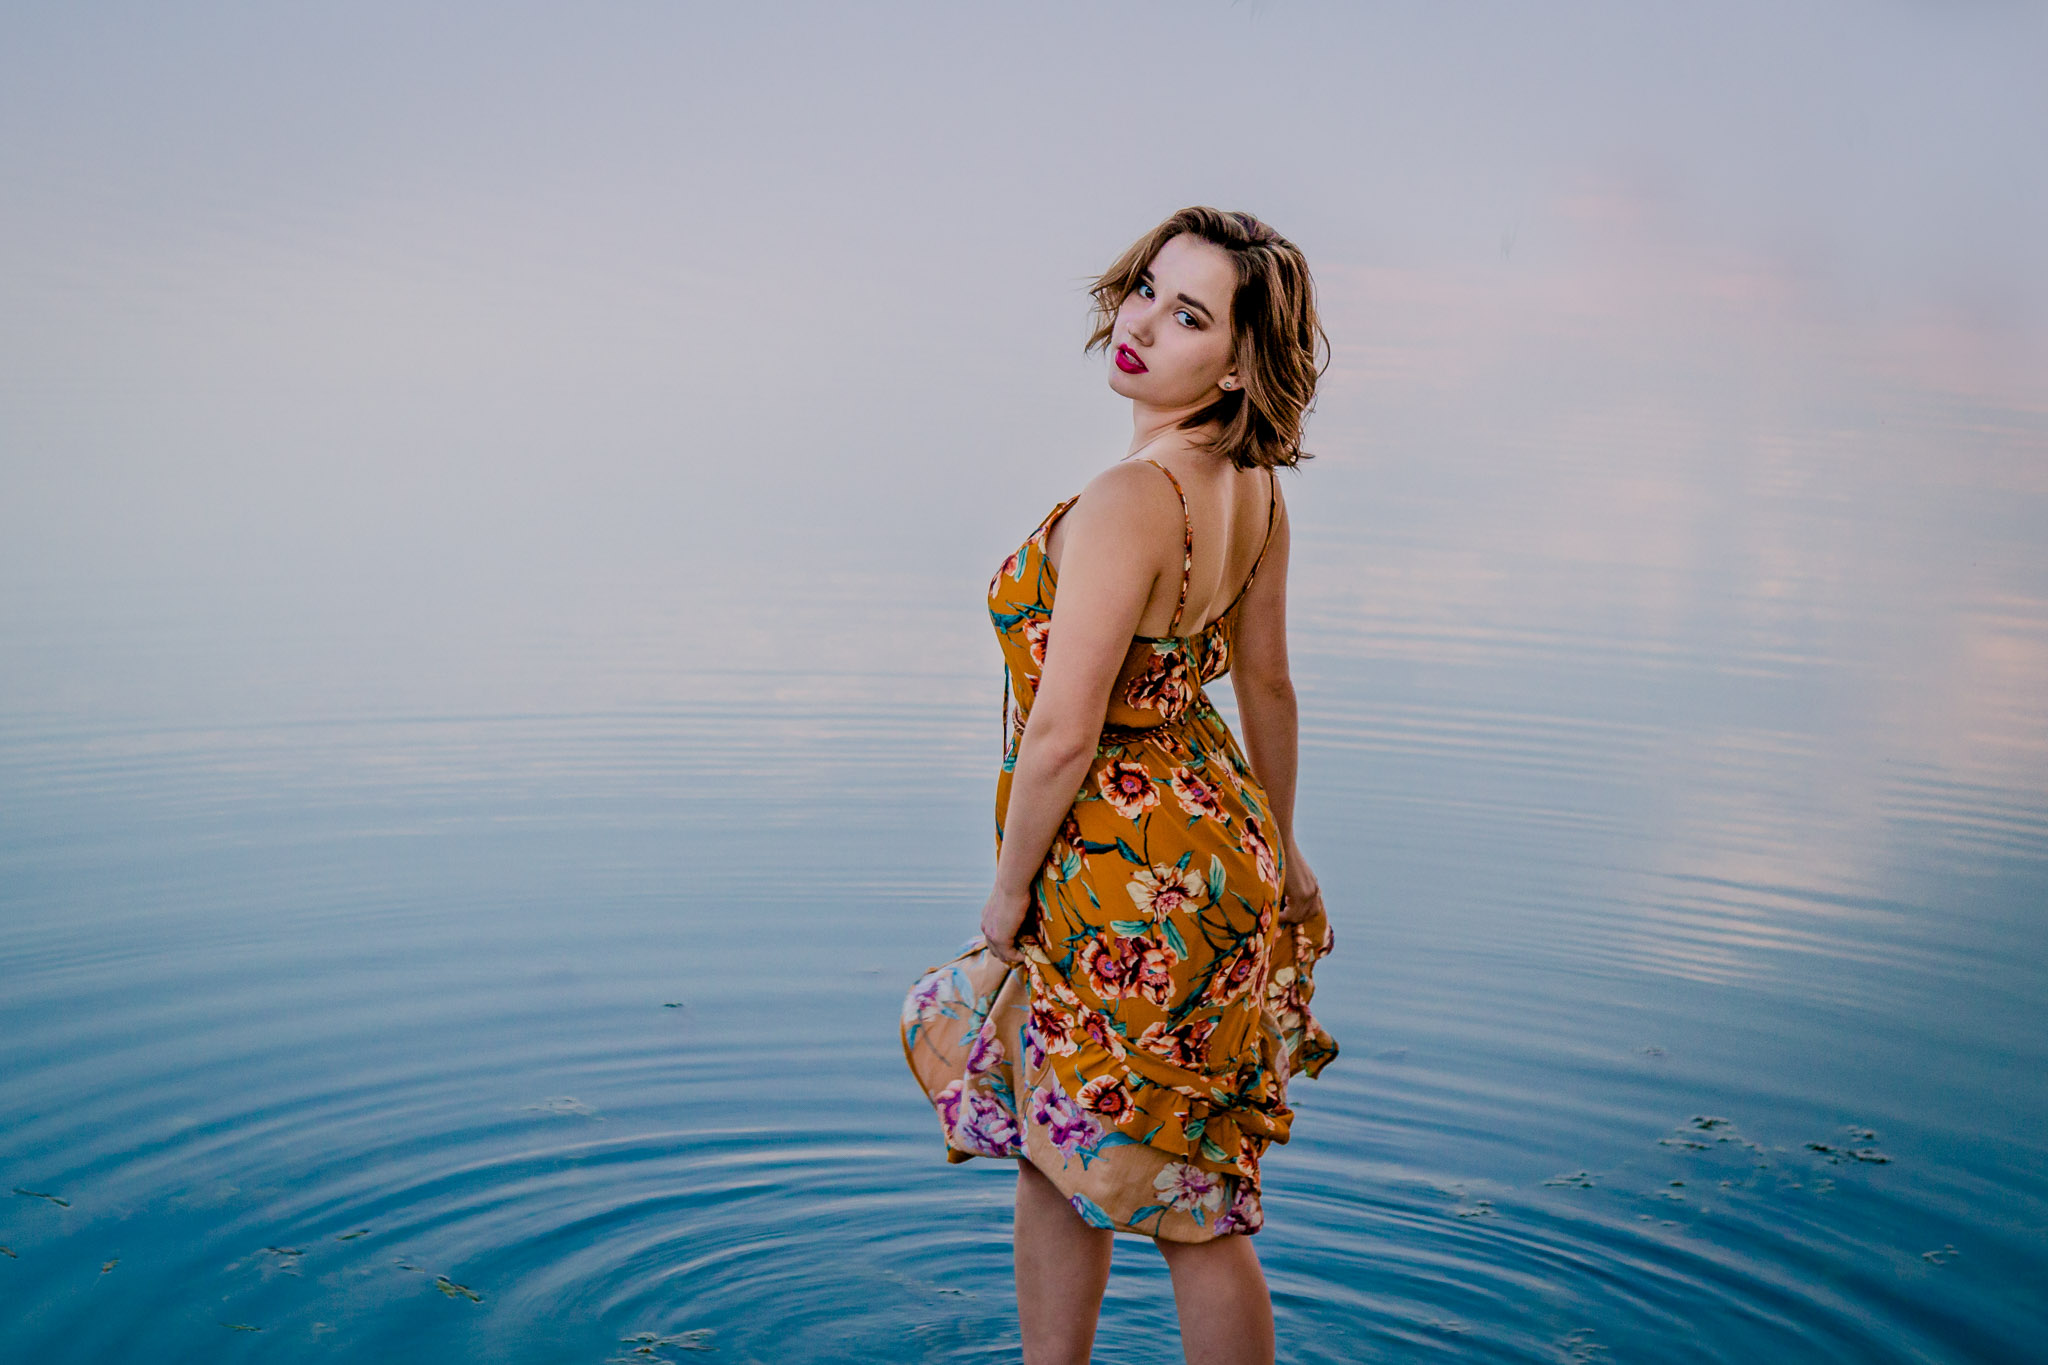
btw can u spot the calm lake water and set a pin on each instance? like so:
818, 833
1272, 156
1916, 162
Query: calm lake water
1690, 968
496, 705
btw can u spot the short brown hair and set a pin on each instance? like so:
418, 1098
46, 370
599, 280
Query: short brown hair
1274, 332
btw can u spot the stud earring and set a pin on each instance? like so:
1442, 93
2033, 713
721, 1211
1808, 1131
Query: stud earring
1230, 383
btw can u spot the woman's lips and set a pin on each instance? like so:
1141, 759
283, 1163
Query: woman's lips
1127, 361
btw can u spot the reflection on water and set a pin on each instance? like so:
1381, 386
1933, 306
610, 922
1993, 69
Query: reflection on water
497, 705
1688, 925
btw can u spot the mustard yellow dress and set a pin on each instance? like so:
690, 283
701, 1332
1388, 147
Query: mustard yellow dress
1141, 1058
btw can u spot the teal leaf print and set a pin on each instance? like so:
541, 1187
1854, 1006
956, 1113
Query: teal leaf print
1185, 859
1173, 940
1215, 878
1130, 854
1091, 1212
1194, 1128
1129, 928
1149, 1211
1212, 1151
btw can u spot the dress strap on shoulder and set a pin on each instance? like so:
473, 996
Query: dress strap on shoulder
1272, 516
1187, 544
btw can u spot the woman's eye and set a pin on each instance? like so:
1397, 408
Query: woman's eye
1187, 319
1144, 291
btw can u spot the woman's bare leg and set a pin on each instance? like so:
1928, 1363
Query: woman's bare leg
1062, 1269
1226, 1315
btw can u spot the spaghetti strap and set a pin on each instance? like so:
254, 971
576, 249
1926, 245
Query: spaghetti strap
1272, 516
1187, 544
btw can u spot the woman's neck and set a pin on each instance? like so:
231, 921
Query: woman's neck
1151, 425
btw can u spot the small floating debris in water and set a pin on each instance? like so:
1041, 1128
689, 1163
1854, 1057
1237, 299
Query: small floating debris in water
38, 1194
1837, 1155
241, 1327
105, 1266
456, 1291
1577, 1180
8, 1252
674, 1005
1689, 1144
647, 1343
1942, 1257
1478, 1208
1580, 1348
1650, 1050
565, 1105
351, 1236
287, 1258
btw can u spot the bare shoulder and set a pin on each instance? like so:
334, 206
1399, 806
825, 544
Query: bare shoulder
1129, 496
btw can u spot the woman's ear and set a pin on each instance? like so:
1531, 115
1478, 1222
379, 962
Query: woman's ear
1229, 381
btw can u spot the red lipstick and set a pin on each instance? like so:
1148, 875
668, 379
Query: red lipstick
1127, 361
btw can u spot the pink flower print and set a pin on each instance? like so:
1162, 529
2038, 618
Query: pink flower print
1244, 1213
1182, 1186
948, 1104
989, 1129
1069, 1128
987, 1052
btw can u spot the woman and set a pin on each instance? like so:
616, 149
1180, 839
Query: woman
1127, 1022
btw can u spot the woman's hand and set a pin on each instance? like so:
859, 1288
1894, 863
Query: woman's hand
1001, 919
1303, 894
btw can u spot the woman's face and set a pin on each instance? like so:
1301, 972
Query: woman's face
1171, 346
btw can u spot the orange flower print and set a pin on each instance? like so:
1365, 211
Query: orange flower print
1162, 685
1111, 965
1215, 655
1063, 858
1107, 1096
1163, 889
1096, 1026
1283, 997
1198, 796
1128, 787
1053, 1028
1009, 566
1035, 635
1155, 972
1248, 1156
1185, 1046
1242, 975
1253, 841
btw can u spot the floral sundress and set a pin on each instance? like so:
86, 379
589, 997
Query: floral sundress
1140, 1058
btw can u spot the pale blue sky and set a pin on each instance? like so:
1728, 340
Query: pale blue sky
299, 291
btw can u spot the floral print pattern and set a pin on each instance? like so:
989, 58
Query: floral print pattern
1141, 1056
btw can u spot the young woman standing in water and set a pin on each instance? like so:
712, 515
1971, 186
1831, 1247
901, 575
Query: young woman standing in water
1127, 1023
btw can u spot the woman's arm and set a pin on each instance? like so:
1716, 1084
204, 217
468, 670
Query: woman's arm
1109, 566
1267, 713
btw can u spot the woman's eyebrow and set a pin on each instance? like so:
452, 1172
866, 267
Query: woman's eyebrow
1197, 303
